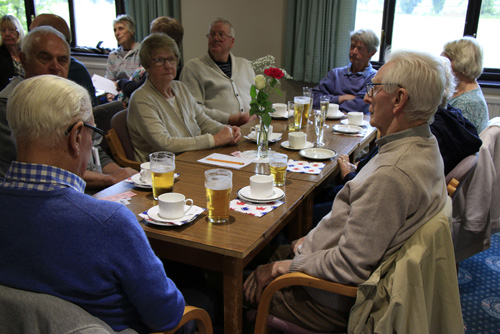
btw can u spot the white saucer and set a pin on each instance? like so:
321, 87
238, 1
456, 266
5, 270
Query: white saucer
336, 116
278, 115
155, 218
274, 137
244, 193
136, 178
286, 144
347, 128
346, 122
318, 153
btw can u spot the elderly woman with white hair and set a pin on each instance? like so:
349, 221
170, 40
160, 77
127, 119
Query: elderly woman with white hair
125, 60
12, 35
163, 115
466, 56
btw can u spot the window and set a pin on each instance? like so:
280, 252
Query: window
90, 21
427, 25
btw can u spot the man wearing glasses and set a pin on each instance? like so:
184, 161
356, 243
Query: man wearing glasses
45, 51
219, 80
67, 244
346, 86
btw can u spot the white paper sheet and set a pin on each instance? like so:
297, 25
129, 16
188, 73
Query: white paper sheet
102, 83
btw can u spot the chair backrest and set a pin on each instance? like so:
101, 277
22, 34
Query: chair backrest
37, 313
460, 173
119, 141
102, 117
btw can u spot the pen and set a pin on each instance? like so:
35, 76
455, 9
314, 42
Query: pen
230, 162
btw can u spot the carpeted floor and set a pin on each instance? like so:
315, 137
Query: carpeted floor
479, 283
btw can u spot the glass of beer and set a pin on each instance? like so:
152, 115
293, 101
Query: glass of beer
162, 166
218, 186
307, 92
278, 163
324, 103
299, 103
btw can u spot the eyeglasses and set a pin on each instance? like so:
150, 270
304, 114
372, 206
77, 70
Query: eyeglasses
97, 133
370, 87
221, 36
160, 61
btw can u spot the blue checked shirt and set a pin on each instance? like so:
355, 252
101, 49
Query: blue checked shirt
29, 176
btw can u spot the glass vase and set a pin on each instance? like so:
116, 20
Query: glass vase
263, 140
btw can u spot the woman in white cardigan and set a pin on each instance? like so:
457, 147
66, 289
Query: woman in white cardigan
163, 115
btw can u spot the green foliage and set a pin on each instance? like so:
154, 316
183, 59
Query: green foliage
488, 7
407, 6
16, 8
437, 5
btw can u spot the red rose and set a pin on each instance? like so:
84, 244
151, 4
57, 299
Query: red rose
274, 72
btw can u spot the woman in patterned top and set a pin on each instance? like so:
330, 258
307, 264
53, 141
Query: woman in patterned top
466, 56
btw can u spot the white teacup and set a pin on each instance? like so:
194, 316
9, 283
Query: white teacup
281, 110
255, 129
146, 173
297, 140
354, 118
333, 110
261, 186
171, 205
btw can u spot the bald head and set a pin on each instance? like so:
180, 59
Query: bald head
55, 22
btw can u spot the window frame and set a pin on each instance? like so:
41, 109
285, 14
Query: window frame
489, 78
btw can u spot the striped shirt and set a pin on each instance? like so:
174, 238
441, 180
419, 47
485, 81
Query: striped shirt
30, 176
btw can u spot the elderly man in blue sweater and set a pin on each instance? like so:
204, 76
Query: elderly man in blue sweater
56, 240
346, 86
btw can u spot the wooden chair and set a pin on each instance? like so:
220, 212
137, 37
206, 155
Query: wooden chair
36, 313
119, 142
102, 116
391, 300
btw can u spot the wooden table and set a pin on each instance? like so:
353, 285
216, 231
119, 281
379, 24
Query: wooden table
226, 248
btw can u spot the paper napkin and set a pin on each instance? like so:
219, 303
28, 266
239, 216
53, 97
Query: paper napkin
191, 215
306, 167
254, 209
228, 161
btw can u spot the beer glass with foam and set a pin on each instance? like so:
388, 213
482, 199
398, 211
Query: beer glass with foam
162, 166
278, 163
218, 186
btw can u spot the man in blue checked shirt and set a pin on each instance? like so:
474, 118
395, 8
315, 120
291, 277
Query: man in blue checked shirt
54, 239
346, 86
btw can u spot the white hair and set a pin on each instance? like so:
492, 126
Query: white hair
423, 77
42, 108
38, 34
466, 57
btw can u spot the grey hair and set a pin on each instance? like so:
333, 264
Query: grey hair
367, 37
466, 56
38, 34
221, 20
10, 21
128, 20
450, 84
154, 42
42, 108
423, 77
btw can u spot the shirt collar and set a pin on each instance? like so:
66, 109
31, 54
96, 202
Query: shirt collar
31, 176
366, 72
417, 131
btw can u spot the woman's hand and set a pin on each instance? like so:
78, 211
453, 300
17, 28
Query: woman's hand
227, 135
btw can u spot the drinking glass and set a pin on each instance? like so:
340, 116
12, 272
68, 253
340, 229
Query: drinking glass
162, 166
307, 92
291, 116
218, 185
299, 104
324, 102
278, 162
319, 122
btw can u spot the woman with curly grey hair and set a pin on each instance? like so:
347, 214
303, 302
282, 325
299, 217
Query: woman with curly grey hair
466, 56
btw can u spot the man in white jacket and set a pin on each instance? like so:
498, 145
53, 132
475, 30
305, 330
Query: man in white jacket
219, 80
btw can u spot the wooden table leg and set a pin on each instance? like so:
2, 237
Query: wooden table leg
233, 295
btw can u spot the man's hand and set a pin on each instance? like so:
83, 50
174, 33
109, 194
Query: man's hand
261, 277
347, 97
296, 244
345, 166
